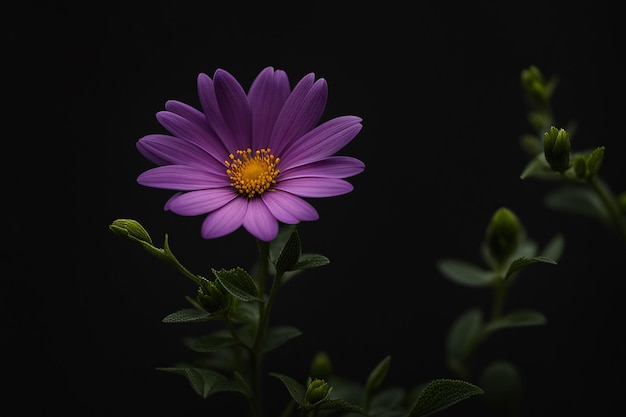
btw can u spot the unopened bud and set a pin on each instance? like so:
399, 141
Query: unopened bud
130, 229
594, 160
557, 148
214, 298
580, 167
504, 234
321, 367
316, 391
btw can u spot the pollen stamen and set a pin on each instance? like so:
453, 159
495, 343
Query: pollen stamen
252, 174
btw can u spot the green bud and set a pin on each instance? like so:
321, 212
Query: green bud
317, 390
504, 234
214, 298
594, 160
580, 167
556, 148
321, 367
130, 229
534, 84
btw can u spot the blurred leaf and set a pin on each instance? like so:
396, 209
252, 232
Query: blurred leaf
211, 343
376, 378
517, 318
554, 249
206, 382
440, 394
520, 263
465, 273
538, 167
388, 403
577, 200
277, 336
463, 332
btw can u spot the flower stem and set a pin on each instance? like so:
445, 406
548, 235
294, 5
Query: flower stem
606, 196
255, 356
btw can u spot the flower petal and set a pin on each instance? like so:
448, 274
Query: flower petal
182, 178
289, 208
235, 109
171, 150
315, 187
332, 167
211, 110
259, 221
224, 220
195, 133
194, 203
321, 142
301, 112
266, 97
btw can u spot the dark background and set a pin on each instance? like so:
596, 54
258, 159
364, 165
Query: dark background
437, 85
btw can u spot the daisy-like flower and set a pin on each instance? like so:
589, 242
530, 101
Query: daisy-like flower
251, 159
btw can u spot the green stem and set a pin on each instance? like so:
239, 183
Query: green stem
498, 299
607, 198
255, 357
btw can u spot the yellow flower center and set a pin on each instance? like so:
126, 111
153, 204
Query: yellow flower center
252, 173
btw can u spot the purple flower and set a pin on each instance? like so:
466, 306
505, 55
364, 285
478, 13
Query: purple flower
251, 159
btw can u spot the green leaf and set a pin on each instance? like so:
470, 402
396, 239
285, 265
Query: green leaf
206, 382
465, 329
554, 249
538, 167
276, 246
465, 273
517, 318
245, 312
238, 282
211, 343
579, 201
310, 260
277, 336
390, 399
290, 254
440, 394
376, 378
338, 404
188, 315
296, 389
520, 263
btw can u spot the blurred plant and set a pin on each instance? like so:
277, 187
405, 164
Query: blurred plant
506, 251
583, 191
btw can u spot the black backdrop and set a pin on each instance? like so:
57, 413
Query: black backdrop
437, 86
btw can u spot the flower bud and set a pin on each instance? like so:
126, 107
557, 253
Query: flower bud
316, 391
214, 298
321, 367
556, 148
580, 167
504, 234
130, 229
594, 160
534, 84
